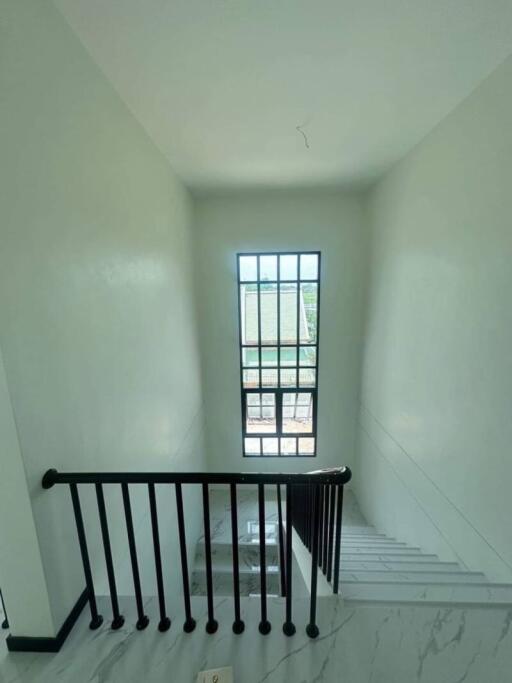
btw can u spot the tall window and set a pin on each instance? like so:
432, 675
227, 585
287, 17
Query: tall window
279, 300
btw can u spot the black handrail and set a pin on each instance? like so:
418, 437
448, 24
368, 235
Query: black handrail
313, 507
339, 475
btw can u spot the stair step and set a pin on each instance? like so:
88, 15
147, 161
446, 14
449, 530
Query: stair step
347, 543
392, 550
358, 529
410, 576
223, 583
406, 565
248, 553
471, 593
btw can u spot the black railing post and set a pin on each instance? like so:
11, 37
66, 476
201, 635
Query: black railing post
264, 626
288, 626
332, 505
5, 622
312, 628
96, 619
190, 623
325, 528
142, 620
165, 622
320, 524
238, 624
118, 619
282, 565
337, 545
211, 625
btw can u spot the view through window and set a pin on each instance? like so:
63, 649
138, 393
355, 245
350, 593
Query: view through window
279, 300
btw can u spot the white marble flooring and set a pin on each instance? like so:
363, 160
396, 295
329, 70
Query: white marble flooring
356, 644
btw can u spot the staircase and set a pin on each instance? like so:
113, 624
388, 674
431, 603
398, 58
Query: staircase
249, 558
376, 568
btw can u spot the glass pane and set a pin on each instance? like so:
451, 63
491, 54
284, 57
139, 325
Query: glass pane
297, 413
288, 267
249, 313
307, 377
309, 267
289, 446
251, 379
268, 306
250, 357
252, 446
248, 268
307, 355
306, 446
288, 315
268, 267
309, 301
269, 356
288, 378
268, 378
261, 416
288, 355
269, 446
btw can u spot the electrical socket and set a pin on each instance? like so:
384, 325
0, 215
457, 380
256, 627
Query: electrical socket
224, 675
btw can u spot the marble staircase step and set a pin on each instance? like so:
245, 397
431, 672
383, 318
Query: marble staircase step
248, 554
408, 592
223, 582
397, 551
418, 564
411, 576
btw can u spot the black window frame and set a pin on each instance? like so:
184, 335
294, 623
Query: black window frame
279, 391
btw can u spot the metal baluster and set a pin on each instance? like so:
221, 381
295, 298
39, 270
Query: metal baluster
325, 527
320, 526
142, 620
282, 566
288, 626
332, 505
264, 626
96, 619
312, 628
5, 622
118, 619
165, 622
337, 545
238, 624
190, 623
212, 625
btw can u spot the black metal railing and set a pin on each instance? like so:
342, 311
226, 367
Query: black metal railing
5, 621
317, 518
304, 496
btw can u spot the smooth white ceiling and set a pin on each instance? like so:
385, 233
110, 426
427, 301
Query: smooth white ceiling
291, 92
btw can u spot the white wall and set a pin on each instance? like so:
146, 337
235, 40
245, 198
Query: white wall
281, 220
436, 427
97, 321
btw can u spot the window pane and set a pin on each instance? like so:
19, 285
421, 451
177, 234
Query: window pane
268, 267
309, 266
252, 446
251, 379
297, 413
268, 378
249, 313
288, 378
307, 355
269, 446
288, 267
248, 268
261, 416
288, 314
307, 377
269, 356
289, 446
250, 357
306, 446
268, 306
289, 355
309, 302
